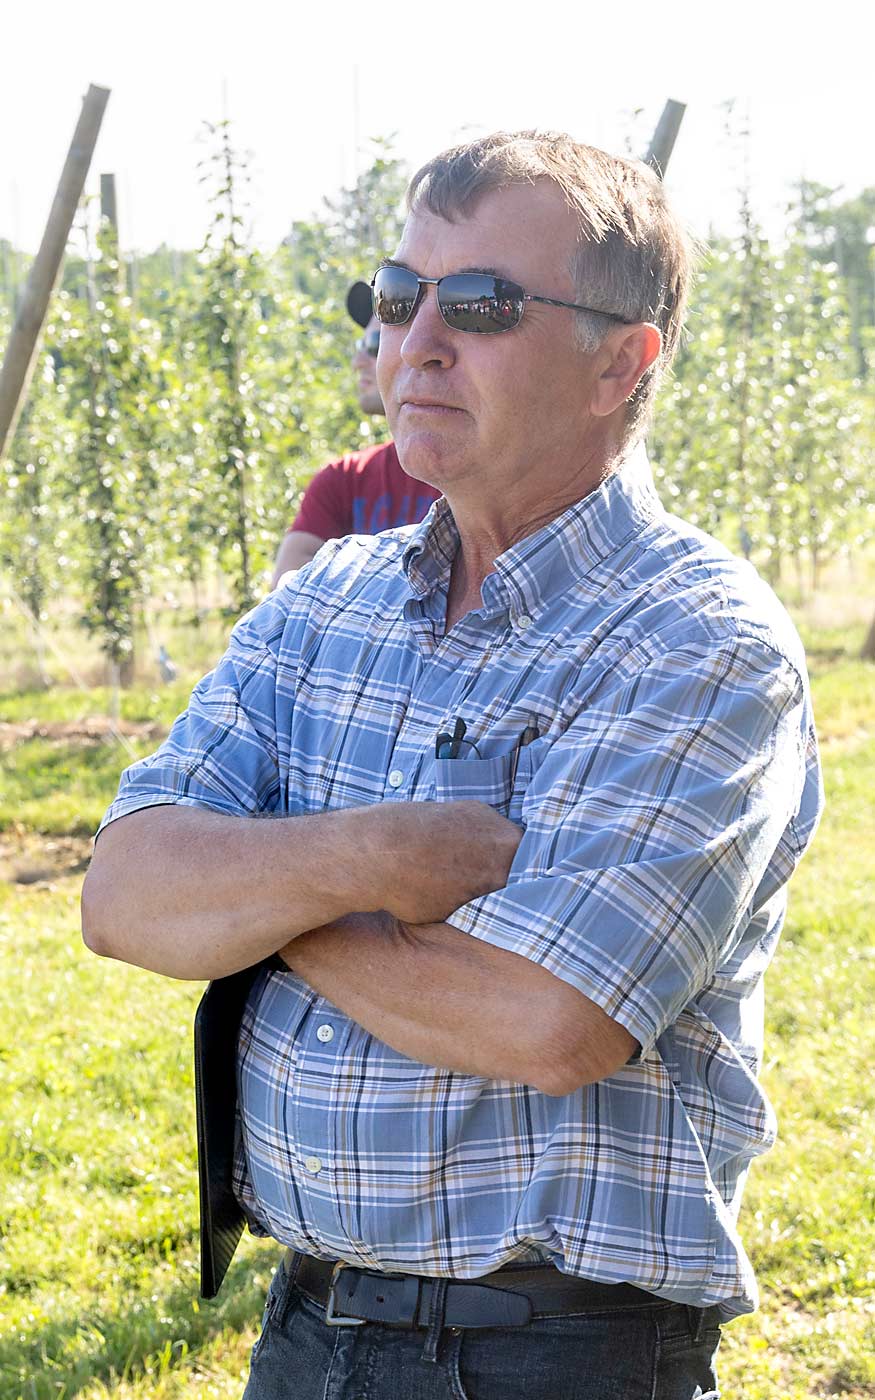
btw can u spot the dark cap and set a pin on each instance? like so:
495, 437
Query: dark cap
360, 303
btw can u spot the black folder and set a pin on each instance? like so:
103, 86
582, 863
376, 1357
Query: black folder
216, 1026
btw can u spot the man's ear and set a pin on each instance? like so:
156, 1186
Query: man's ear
627, 353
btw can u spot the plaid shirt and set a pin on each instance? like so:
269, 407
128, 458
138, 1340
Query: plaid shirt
672, 789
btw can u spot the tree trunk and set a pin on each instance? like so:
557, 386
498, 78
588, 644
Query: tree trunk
868, 650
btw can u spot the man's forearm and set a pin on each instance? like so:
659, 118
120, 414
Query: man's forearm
194, 893
197, 894
446, 999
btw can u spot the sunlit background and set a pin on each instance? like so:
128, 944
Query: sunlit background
179, 406
308, 87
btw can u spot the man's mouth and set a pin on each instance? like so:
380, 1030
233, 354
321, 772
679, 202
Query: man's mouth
429, 406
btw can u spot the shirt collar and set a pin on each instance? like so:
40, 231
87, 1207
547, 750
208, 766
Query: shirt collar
544, 563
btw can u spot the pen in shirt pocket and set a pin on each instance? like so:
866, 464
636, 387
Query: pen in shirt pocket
528, 736
453, 744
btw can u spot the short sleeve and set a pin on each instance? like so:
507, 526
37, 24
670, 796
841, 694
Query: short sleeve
222, 751
326, 508
678, 800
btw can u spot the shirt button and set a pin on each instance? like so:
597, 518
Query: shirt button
396, 778
313, 1165
524, 622
325, 1033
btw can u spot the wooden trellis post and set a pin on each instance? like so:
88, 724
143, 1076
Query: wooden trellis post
663, 139
20, 354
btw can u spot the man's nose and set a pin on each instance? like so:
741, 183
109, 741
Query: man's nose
428, 340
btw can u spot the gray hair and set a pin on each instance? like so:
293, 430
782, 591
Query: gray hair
633, 256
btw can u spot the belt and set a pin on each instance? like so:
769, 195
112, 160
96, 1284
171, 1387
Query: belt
509, 1297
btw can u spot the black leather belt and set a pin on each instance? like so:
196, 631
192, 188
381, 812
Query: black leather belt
510, 1297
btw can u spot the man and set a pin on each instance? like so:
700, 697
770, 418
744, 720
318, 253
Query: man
503, 1134
366, 491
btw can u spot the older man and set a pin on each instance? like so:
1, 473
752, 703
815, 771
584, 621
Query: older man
543, 767
363, 492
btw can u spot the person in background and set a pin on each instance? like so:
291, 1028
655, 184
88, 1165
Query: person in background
364, 492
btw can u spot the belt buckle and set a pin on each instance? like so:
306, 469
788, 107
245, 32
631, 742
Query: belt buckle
332, 1317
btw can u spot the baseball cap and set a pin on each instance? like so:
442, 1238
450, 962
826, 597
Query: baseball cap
360, 303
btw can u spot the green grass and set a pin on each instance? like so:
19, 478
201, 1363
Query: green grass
59, 785
59, 788
98, 1274
98, 1270
65, 703
809, 1212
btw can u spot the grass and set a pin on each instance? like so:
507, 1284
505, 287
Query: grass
57, 782
60, 787
98, 1271
809, 1213
98, 1280
140, 704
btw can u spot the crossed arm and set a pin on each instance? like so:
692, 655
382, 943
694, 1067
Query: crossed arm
354, 902
444, 998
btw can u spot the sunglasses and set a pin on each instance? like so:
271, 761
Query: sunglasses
370, 342
467, 301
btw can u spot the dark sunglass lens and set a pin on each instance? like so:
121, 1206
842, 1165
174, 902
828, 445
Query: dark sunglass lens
474, 301
395, 293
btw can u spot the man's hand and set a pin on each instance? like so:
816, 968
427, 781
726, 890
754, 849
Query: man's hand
445, 998
194, 893
432, 857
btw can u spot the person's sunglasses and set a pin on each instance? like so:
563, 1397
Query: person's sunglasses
467, 301
370, 342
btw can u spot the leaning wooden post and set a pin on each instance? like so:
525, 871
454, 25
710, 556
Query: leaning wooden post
20, 354
108, 204
665, 135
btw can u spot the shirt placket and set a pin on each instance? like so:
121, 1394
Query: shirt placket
320, 1052
448, 675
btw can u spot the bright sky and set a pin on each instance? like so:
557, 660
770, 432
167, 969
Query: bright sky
306, 90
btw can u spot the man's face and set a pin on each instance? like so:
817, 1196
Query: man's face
497, 416
364, 363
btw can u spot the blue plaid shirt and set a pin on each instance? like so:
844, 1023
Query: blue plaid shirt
671, 791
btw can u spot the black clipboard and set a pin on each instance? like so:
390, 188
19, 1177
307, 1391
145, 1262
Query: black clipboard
216, 1026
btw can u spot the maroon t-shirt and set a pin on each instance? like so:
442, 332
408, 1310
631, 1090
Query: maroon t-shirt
362, 494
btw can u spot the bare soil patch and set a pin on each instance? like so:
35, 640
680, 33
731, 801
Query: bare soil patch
27, 858
97, 730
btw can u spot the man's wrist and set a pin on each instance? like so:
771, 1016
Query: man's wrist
299, 953
330, 854
364, 859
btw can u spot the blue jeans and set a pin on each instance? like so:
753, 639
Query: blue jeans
661, 1351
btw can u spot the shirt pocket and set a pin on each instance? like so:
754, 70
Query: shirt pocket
501, 782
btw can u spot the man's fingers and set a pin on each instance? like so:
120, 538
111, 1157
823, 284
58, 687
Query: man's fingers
444, 854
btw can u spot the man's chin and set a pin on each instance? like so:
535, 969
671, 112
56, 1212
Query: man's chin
430, 459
